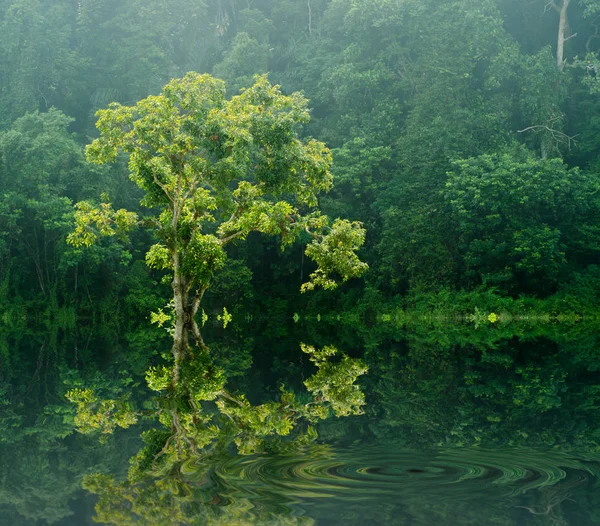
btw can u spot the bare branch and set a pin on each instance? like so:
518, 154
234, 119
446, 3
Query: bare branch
570, 37
43, 96
558, 136
191, 190
562, 31
198, 335
551, 5
195, 306
235, 213
162, 451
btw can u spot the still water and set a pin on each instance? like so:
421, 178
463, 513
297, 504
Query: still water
463, 425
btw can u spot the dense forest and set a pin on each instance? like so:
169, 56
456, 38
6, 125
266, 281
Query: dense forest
463, 138
178, 164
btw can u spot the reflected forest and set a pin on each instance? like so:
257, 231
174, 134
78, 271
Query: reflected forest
300, 262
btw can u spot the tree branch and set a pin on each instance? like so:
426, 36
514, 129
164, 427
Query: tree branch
198, 299
570, 37
557, 135
195, 329
551, 5
198, 335
227, 239
312, 234
226, 395
191, 190
162, 187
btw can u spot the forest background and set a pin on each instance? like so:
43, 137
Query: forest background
464, 137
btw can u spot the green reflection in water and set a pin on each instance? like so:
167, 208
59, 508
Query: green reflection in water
385, 484
201, 419
492, 428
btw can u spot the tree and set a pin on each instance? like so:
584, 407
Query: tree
562, 8
40, 162
248, 53
456, 77
521, 221
35, 57
214, 170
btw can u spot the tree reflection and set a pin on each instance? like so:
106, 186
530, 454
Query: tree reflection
177, 498
198, 419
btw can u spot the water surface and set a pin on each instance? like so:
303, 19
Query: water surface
462, 426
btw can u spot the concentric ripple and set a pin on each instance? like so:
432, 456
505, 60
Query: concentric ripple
383, 469
359, 484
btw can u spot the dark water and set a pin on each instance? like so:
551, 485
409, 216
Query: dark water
389, 484
463, 426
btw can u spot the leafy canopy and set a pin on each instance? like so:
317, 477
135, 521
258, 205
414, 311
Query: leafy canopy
216, 169
517, 215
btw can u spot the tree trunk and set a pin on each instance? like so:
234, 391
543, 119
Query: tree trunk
194, 325
181, 304
543, 149
185, 319
562, 29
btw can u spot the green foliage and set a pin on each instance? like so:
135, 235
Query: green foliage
158, 378
188, 146
421, 103
400, 91
335, 383
517, 217
177, 499
245, 58
39, 161
335, 253
226, 317
233, 284
160, 317
204, 257
158, 257
201, 378
92, 222
103, 415
200, 417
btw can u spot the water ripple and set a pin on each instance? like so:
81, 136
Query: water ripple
360, 482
